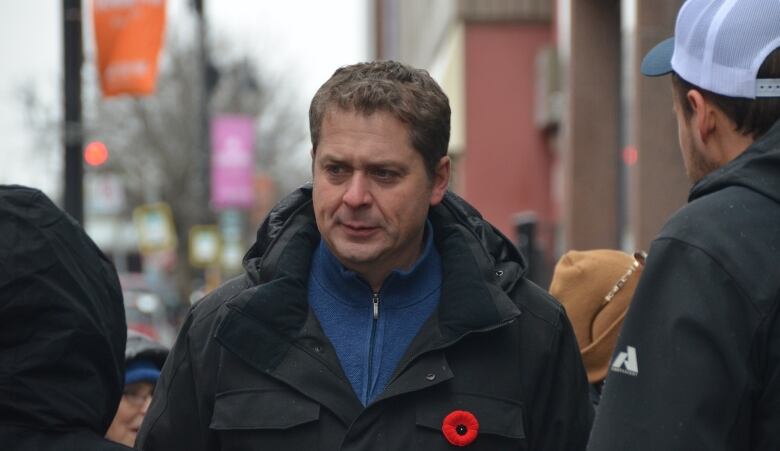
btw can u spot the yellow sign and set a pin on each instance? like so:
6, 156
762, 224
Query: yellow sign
154, 224
205, 246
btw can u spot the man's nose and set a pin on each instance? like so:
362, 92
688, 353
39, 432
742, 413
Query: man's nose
358, 191
145, 405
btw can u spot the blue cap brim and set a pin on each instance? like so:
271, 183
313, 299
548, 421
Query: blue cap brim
141, 371
142, 375
658, 61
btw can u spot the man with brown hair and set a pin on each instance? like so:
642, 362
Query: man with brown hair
378, 311
697, 364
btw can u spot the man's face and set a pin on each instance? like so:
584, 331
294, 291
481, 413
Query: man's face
371, 192
130, 413
697, 163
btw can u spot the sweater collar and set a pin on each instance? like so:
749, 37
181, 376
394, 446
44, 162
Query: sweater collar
400, 288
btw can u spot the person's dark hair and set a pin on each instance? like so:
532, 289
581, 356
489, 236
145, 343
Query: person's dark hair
752, 117
411, 95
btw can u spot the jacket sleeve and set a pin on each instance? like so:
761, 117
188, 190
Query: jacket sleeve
175, 420
766, 434
679, 378
563, 412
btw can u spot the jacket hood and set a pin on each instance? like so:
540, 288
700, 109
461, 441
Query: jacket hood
757, 168
500, 253
62, 320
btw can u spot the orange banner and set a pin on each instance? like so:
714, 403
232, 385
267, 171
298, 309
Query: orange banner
129, 35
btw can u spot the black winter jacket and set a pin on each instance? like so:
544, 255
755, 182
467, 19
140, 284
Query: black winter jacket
252, 370
62, 330
698, 360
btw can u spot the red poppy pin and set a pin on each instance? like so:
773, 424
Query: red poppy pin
460, 427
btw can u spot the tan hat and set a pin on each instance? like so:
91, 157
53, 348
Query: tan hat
595, 287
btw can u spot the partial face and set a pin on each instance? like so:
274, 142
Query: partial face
697, 163
372, 193
130, 414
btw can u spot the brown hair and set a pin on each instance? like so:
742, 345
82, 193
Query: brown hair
411, 95
752, 117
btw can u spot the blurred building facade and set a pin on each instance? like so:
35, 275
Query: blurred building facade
551, 119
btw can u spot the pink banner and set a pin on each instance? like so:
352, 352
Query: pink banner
232, 161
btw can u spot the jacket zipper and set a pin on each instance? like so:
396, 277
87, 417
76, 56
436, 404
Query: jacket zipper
372, 345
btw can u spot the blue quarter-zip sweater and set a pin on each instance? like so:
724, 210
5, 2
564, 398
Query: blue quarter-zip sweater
369, 346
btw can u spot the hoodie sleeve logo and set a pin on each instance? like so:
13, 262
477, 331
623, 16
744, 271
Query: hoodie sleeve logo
626, 362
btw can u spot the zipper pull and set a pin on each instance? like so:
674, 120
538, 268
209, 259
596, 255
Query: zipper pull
375, 300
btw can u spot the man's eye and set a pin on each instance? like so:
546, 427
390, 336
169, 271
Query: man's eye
335, 169
385, 174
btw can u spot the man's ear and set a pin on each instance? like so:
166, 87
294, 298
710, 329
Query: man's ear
704, 120
441, 180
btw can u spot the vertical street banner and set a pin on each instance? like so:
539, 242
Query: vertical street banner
232, 161
128, 35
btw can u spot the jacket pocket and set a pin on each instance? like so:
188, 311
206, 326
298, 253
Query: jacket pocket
501, 422
265, 419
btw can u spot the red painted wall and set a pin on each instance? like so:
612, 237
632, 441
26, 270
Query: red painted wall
506, 166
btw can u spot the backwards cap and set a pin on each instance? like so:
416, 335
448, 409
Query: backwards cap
719, 45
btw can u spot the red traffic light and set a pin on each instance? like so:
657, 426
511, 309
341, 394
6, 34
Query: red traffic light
96, 153
630, 155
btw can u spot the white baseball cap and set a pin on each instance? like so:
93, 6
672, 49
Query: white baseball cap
719, 45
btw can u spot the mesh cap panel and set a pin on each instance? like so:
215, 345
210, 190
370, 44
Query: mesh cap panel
720, 45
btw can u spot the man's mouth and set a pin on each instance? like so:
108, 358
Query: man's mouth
359, 229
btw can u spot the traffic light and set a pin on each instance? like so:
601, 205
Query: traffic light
96, 153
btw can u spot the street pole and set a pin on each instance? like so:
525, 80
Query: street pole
72, 129
204, 129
